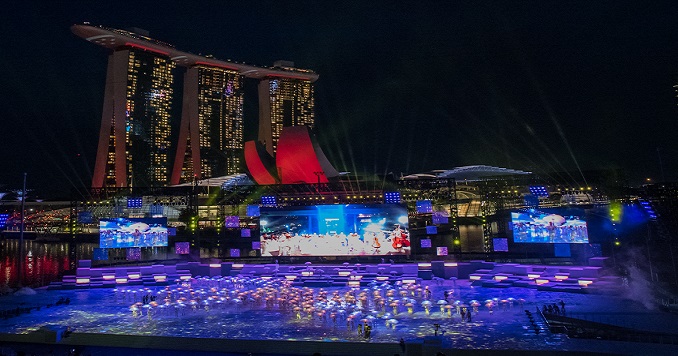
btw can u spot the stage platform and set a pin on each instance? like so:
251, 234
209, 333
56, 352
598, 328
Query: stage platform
573, 279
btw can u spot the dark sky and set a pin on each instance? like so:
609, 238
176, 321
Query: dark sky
404, 86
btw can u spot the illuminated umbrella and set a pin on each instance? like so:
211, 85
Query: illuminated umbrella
555, 219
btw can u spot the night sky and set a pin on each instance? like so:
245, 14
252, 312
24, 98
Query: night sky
404, 87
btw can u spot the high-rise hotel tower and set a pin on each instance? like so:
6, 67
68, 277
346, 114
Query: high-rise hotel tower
211, 133
135, 124
134, 138
283, 101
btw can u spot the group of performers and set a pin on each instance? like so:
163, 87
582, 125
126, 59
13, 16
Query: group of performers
550, 233
118, 238
370, 243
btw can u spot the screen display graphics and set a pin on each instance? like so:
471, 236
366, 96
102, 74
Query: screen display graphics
335, 230
128, 232
548, 228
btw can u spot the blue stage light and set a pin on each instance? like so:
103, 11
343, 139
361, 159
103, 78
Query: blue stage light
539, 190
3, 220
268, 200
253, 210
134, 202
392, 198
424, 206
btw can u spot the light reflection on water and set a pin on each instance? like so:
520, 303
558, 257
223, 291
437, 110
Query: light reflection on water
101, 311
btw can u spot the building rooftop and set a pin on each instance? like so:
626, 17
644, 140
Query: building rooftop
115, 39
467, 173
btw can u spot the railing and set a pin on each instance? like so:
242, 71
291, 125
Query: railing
606, 327
615, 319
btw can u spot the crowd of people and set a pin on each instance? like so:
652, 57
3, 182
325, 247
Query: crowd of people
554, 308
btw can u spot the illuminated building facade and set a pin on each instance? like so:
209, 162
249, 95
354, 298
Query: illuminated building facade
284, 101
211, 131
135, 125
135, 130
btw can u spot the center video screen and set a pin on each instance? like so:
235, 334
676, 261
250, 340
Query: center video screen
335, 230
539, 227
128, 232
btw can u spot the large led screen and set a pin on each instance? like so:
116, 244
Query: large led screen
542, 227
335, 230
124, 232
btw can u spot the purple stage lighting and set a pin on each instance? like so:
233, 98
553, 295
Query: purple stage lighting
133, 254
182, 248
500, 244
232, 221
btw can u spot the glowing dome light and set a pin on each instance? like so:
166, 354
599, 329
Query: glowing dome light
585, 282
82, 280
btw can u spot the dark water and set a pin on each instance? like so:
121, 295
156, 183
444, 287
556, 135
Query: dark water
46, 262
43, 262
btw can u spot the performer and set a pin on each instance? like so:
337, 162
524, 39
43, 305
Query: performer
376, 243
397, 238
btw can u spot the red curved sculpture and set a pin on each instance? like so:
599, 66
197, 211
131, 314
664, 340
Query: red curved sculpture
260, 164
300, 159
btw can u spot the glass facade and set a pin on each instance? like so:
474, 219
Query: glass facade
147, 123
220, 124
292, 104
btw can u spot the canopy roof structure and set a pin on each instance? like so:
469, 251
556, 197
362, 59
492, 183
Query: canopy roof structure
467, 173
224, 181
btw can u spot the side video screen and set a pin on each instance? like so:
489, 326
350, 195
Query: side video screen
538, 227
128, 232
